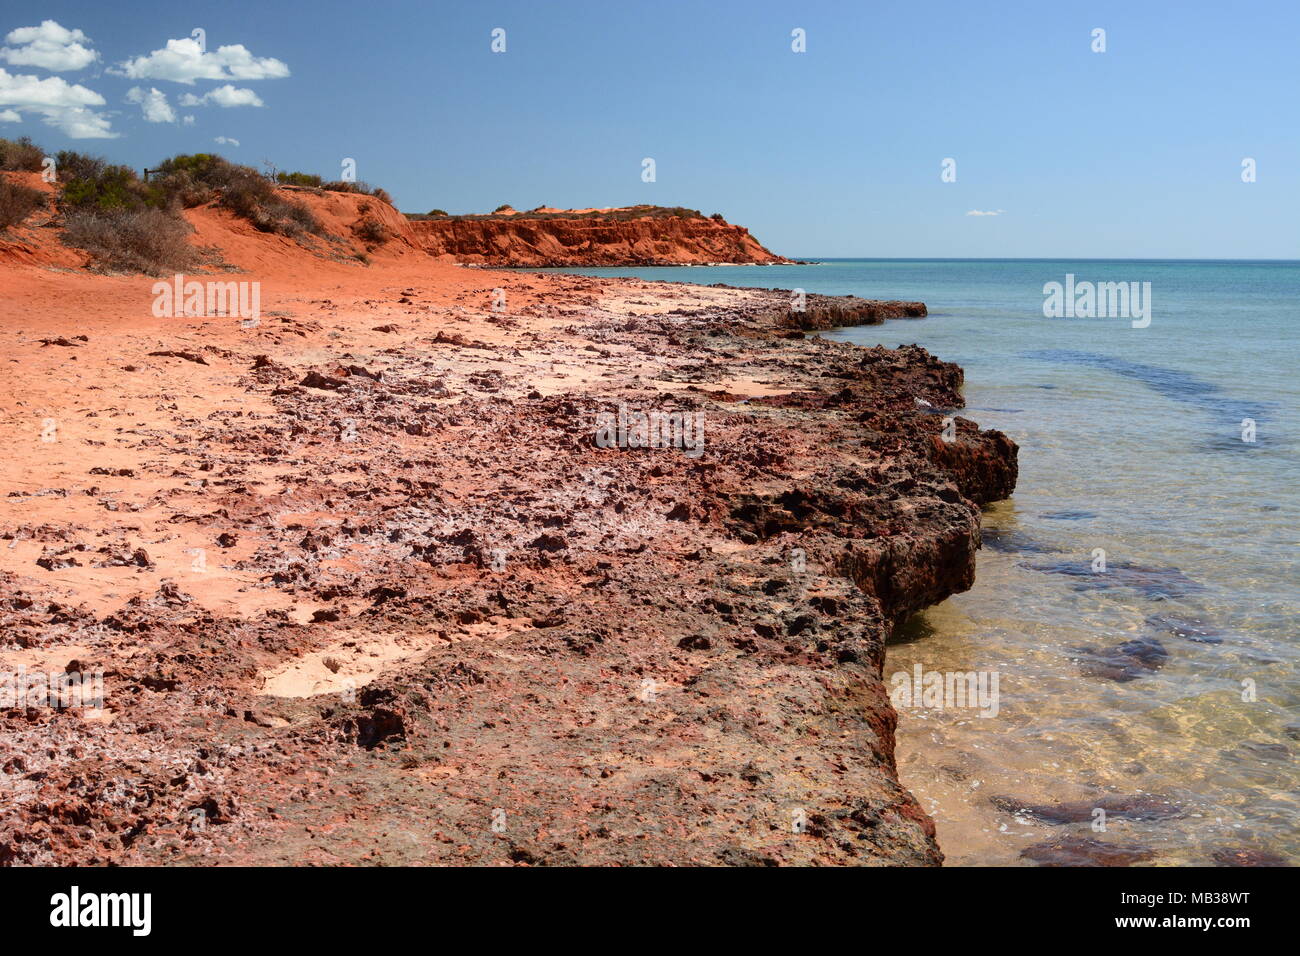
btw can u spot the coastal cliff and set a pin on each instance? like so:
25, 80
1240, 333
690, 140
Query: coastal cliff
366, 227
637, 236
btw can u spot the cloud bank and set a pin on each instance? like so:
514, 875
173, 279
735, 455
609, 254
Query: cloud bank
49, 46
63, 105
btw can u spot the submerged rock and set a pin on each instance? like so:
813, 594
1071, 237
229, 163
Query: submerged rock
1128, 806
1082, 851
1008, 541
1124, 662
1246, 856
1156, 583
1260, 750
1172, 383
1192, 628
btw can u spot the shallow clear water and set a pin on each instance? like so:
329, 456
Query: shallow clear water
1131, 442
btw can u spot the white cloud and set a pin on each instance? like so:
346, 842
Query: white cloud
10, 116
82, 124
187, 120
49, 46
986, 212
226, 141
153, 104
184, 61
226, 96
62, 105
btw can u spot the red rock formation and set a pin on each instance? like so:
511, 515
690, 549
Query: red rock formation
595, 238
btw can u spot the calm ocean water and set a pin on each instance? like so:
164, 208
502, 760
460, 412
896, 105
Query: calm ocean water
1172, 674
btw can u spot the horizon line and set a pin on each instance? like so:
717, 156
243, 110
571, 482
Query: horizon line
813, 259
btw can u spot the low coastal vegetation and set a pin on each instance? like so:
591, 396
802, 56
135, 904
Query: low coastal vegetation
17, 202
21, 155
316, 183
370, 229
148, 240
303, 180
600, 215
135, 223
126, 222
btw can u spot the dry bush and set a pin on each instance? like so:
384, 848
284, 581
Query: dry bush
188, 191
73, 165
364, 189
255, 199
148, 240
370, 230
17, 202
21, 155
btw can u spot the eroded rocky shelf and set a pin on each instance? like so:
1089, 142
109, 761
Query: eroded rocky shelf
435, 622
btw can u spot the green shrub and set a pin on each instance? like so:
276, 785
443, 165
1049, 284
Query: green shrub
436, 212
17, 202
310, 180
503, 207
21, 155
93, 184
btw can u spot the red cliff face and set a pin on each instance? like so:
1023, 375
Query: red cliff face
596, 239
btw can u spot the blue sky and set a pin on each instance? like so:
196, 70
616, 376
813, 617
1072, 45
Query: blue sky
1134, 152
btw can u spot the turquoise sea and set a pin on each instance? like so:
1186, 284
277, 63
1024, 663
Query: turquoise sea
1169, 675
